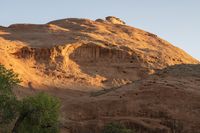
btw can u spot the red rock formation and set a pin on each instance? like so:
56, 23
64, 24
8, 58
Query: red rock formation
104, 71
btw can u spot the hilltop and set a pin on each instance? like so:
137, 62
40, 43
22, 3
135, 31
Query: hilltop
93, 54
104, 71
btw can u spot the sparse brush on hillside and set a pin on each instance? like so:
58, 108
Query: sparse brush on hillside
30, 115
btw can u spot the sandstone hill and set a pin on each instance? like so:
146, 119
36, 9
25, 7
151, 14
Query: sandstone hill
85, 52
165, 102
105, 71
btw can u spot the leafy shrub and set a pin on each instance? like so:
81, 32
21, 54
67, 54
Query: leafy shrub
8, 101
39, 114
35, 114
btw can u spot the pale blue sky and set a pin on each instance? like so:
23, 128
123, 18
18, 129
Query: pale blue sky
177, 21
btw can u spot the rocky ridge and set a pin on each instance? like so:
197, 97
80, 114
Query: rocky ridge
101, 54
105, 71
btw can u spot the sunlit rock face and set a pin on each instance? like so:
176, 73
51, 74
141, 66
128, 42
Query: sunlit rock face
105, 71
102, 53
114, 20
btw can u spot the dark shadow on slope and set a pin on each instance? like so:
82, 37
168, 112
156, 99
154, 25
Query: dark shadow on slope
78, 25
181, 70
62, 93
59, 32
43, 36
169, 100
178, 72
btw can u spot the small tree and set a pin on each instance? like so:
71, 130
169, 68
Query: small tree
8, 101
116, 128
8, 79
36, 114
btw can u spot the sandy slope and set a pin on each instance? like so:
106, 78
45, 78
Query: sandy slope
85, 52
165, 102
100, 71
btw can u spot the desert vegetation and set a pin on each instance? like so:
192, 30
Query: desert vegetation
33, 114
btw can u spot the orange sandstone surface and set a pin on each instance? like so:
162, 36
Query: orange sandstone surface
106, 71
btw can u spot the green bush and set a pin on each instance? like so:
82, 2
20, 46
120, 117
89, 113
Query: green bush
35, 114
116, 128
39, 114
8, 101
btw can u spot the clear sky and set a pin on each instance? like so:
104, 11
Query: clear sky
177, 21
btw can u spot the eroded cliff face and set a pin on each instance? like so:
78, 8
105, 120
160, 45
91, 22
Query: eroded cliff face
101, 53
89, 60
84, 52
35, 53
101, 72
107, 53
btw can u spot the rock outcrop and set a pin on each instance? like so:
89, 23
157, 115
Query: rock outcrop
105, 71
114, 20
107, 53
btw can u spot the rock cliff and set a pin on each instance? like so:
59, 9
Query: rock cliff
107, 53
105, 71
